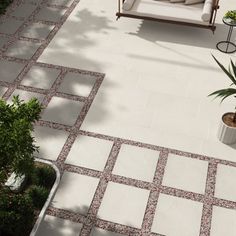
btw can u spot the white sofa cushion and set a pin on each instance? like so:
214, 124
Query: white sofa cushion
190, 2
207, 10
127, 5
168, 11
175, 1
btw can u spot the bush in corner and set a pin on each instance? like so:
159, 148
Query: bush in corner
16, 214
38, 195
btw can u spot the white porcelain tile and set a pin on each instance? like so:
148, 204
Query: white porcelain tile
22, 49
223, 222
75, 192
225, 182
50, 14
24, 10
77, 84
53, 226
40, 77
26, 96
2, 90
102, 232
124, 204
177, 216
3, 41
185, 173
60, 2
89, 152
63, 111
50, 142
37, 31
10, 26
137, 163
9, 70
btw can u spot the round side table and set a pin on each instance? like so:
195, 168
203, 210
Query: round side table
227, 46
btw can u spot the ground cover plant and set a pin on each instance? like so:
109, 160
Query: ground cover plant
3, 5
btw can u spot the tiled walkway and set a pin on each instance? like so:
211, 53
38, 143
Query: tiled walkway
110, 186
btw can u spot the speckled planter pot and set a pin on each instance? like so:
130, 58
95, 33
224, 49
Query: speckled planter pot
50, 196
226, 134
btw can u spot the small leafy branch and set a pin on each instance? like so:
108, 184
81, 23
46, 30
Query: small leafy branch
231, 15
227, 92
16, 142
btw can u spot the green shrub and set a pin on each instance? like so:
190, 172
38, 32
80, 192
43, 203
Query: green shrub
44, 176
4, 4
38, 195
16, 214
16, 142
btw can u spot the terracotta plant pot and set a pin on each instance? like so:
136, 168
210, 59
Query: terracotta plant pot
227, 129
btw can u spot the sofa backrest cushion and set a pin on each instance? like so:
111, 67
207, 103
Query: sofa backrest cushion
190, 2
127, 5
207, 10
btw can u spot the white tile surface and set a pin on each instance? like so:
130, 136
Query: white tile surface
124, 204
185, 173
40, 77
24, 10
89, 152
177, 216
77, 84
50, 14
3, 41
102, 232
223, 222
2, 90
22, 49
26, 96
53, 226
37, 30
9, 70
10, 26
50, 142
144, 58
62, 111
226, 182
75, 192
137, 163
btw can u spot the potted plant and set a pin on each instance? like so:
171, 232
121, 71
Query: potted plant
230, 16
227, 129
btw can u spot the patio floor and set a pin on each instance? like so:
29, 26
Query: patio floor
126, 120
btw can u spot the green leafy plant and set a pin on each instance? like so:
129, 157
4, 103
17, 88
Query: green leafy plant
16, 142
227, 92
231, 15
3, 5
16, 214
44, 176
38, 195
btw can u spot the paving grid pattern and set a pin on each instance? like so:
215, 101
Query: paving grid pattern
90, 220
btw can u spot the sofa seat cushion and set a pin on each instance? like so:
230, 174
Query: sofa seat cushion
163, 9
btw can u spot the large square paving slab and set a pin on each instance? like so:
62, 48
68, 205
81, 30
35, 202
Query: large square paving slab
102, 232
77, 84
124, 204
223, 222
50, 14
22, 49
89, 152
177, 216
10, 26
226, 182
53, 226
185, 173
24, 10
9, 70
2, 90
40, 77
36, 31
136, 162
26, 95
62, 111
3, 41
66, 3
50, 141
75, 192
